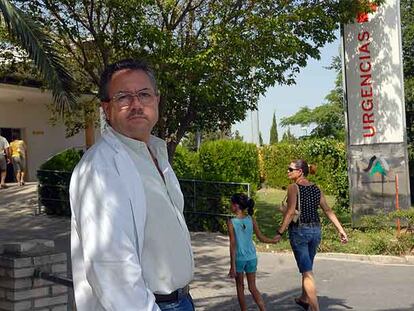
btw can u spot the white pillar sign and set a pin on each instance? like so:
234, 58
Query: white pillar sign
375, 111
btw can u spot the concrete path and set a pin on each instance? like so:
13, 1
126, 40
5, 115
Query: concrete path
345, 282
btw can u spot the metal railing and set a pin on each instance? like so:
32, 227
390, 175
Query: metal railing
208, 199
52, 277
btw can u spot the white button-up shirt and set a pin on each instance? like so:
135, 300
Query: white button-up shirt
167, 259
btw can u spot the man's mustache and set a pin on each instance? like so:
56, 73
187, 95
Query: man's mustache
136, 112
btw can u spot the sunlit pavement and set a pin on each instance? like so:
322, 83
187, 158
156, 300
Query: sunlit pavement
345, 282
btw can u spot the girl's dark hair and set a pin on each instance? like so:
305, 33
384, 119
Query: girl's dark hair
243, 201
305, 167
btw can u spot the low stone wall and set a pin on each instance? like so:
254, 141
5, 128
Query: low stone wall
19, 289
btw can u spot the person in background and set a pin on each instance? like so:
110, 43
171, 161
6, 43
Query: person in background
243, 258
305, 234
18, 152
130, 244
4, 160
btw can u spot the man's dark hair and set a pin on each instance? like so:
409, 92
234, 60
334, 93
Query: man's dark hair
125, 64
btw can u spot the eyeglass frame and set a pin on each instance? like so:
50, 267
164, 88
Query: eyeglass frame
291, 169
115, 99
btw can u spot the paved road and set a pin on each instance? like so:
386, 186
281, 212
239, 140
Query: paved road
363, 283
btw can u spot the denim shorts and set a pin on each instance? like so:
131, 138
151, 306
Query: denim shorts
304, 242
184, 303
248, 266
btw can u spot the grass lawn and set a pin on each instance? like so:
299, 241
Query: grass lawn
372, 242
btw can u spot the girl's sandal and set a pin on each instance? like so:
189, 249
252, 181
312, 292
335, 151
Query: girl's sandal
301, 303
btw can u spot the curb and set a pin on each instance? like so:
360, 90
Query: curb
376, 259
373, 259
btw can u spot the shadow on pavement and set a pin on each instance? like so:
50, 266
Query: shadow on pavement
282, 301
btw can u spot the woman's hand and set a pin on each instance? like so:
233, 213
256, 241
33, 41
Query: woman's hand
343, 237
277, 238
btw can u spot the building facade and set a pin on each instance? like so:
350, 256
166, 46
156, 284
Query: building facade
24, 110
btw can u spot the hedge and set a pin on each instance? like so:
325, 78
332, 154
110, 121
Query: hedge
219, 160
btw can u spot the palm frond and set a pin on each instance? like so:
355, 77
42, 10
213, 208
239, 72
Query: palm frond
40, 48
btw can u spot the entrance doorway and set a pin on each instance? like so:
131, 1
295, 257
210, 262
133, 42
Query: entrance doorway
8, 133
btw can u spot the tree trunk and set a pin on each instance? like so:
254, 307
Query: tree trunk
171, 147
89, 134
89, 130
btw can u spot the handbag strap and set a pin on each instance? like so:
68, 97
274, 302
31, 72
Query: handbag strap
298, 201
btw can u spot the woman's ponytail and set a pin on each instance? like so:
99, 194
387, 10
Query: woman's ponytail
312, 169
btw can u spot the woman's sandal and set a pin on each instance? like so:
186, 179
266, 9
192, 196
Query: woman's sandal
301, 303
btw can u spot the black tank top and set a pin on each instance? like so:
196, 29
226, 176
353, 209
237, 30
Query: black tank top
310, 198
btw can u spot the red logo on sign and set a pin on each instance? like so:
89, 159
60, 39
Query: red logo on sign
363, 16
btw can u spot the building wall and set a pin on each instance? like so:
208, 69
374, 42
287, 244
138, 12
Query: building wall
25, 108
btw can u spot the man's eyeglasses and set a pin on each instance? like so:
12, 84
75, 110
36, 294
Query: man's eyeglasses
291, 169
125, 99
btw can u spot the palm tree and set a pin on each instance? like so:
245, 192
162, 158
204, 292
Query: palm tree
40, 48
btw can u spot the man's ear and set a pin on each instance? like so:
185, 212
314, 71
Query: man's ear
106, 109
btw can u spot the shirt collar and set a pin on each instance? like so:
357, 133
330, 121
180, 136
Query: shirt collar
157, 145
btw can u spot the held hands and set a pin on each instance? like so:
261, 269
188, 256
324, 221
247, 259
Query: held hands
277, 238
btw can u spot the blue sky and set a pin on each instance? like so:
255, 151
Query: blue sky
313, 83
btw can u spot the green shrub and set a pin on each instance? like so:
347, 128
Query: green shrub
63, 161
186, 164
229, 161
405, 216
225, 161
54, 178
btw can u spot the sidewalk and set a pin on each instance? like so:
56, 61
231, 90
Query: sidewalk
345, 282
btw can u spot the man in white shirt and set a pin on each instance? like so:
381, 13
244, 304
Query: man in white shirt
4, 160
131, 248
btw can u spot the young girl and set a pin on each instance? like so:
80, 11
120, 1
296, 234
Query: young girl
243, 257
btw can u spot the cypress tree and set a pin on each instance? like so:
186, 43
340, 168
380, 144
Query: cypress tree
273, 132
260, 139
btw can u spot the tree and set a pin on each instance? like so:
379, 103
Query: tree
407, 30
201, 49
260, 139
329, 117
288, 136
236, 136
273, 132
189, 141
29, 35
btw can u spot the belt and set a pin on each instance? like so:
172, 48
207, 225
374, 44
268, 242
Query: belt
309, 224
174, 296
305, 225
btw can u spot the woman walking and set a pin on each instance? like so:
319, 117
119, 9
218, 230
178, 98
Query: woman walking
304, 197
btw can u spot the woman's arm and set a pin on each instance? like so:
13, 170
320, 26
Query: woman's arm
259, 234
292, 194
332, 217
230, 229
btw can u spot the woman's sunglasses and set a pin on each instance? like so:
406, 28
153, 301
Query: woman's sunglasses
291, 169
